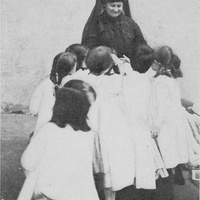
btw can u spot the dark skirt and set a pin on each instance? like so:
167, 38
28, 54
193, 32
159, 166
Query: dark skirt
163, 191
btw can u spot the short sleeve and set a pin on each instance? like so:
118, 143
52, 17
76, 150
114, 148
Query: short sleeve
35, 150
163, 103
36, 97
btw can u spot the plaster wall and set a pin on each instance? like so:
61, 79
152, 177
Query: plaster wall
34, 31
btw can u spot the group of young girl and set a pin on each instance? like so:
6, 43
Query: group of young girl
128, 127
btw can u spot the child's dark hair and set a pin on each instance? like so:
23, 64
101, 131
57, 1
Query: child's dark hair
81, 86
170, 62
99, 60
144, 58
175, 67
71, 108
163, 55
80, 51
62, 66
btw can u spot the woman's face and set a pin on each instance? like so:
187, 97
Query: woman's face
114, 9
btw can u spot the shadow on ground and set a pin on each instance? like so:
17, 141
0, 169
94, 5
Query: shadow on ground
15, 130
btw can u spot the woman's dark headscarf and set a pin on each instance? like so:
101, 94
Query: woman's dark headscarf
96, 12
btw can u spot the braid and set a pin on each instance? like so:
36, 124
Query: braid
62, 66
54, 68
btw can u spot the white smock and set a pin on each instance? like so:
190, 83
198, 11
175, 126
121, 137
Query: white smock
42, 102
62, 158
136, 95
168, 114
116, 143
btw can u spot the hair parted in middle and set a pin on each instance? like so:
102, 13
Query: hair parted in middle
82, 86
71, 108
99, 60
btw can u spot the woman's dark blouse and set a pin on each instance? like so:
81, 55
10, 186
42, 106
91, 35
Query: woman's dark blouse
120, 33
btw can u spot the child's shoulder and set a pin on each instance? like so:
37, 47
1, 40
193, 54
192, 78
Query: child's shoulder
165, 81
137, 76
137, 80
162, 79
46, 82
48, 127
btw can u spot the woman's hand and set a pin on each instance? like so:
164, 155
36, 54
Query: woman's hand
155, 131
116, 60
125, 59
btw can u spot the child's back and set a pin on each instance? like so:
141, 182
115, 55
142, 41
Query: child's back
118, 162
166, 112
58, 160
65, 162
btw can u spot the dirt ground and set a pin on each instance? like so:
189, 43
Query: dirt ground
15, 130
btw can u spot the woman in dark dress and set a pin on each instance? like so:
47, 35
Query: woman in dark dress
110, 24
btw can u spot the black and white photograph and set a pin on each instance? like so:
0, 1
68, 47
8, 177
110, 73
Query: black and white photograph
100, 100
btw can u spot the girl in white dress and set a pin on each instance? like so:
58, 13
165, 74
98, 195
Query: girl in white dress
81, 52
129, 154
168, 121
43, 97
117, 148
58, 160
136, 94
